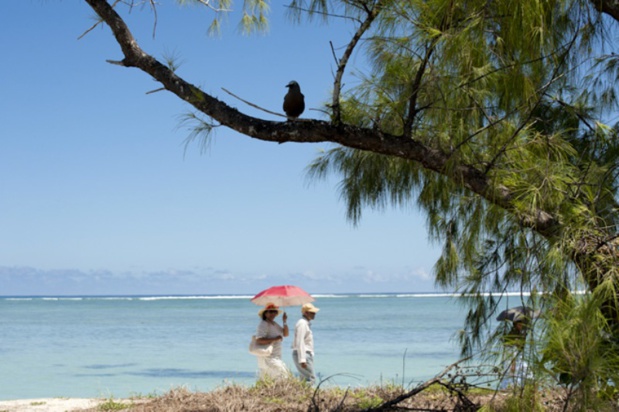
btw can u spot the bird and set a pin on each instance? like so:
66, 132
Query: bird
294, 101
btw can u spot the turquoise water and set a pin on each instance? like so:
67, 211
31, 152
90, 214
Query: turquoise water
124, 346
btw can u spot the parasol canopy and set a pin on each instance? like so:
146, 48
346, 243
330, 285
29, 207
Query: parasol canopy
285, 295
518, 314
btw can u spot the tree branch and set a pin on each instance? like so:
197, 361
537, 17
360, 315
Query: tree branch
313, 131
341, 67
416, 87
610, 7
253, 105
388, 405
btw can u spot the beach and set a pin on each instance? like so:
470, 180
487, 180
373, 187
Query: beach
63, 404
73, 348
49, 405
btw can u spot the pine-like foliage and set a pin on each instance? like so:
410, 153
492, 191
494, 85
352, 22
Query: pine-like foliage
521, 91
515, 98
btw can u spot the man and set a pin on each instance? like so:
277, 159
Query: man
303, 344
515, 341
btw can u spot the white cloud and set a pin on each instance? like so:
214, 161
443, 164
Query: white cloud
358, 279
422, 274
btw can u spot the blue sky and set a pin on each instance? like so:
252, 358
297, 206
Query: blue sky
100, 195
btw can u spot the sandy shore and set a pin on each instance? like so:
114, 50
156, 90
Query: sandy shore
49, 405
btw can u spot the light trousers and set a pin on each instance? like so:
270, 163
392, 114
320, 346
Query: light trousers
307, 373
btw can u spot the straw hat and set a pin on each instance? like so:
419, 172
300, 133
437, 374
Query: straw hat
308, 307
270, 306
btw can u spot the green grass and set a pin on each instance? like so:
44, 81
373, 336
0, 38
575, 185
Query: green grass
37, 403
112, 405
367, 401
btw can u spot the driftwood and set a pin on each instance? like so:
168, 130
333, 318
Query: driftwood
455, 384
463, 402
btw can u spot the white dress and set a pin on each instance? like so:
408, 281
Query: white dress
271, 366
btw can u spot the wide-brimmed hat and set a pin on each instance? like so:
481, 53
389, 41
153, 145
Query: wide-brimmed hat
308, 307
270, 306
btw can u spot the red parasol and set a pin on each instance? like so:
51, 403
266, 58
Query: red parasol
286, 295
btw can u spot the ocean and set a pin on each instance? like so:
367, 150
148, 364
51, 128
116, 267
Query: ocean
122, 346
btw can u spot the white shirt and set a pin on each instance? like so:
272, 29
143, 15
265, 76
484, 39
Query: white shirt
271, 331
303, 339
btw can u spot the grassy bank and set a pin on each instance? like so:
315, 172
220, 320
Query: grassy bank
292, 396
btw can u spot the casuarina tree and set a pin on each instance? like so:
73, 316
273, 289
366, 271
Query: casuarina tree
495, 118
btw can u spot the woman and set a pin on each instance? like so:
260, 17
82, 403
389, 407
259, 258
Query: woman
270, 333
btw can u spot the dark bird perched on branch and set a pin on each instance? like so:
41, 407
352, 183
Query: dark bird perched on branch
294, 102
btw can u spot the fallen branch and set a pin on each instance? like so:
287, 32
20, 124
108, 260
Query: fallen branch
438, 379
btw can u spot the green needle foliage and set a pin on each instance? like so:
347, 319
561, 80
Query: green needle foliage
580, 353
516, 101
521, 91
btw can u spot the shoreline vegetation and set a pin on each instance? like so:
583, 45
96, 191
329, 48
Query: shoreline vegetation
292, 395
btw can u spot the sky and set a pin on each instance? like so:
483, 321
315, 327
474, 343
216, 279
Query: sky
101, 194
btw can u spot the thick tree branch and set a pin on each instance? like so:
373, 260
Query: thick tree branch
312, 131
596, 263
